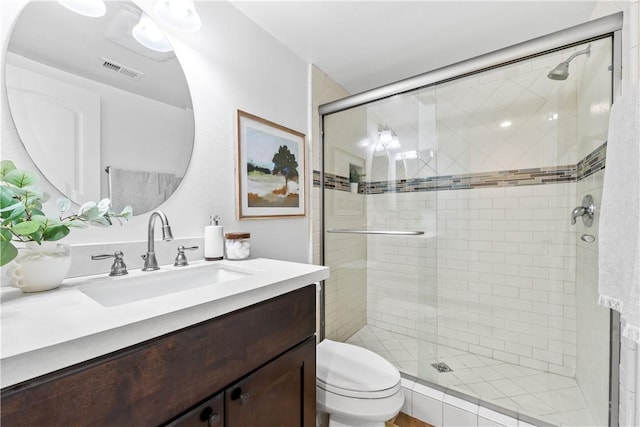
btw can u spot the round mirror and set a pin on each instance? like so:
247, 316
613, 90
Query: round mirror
100, 114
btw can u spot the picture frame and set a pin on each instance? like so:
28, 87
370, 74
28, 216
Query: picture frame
271, 169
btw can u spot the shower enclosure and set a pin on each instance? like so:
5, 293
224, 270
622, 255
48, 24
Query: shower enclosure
447, 204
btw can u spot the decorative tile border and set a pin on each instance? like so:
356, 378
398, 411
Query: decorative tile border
592, 163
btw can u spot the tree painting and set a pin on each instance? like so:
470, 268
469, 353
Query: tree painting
270, 158
285, 164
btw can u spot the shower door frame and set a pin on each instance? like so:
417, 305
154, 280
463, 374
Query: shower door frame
610, 25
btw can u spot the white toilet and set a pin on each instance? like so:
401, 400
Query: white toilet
355, 387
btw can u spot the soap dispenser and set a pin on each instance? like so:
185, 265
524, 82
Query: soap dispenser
213, 240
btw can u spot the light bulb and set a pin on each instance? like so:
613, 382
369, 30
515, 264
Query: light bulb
385, 137
147, 33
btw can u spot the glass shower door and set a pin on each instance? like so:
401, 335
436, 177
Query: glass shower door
452, 252
379, 231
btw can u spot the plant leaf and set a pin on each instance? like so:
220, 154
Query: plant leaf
6, 166
127, 213
15, 214
56, 232
25, 228
6, 196
104, 206
74, 224
21, 178
29, 193
37, 236
100, 221
46, 221
5, 234
89, 211
12, 207
63, 204
7, 252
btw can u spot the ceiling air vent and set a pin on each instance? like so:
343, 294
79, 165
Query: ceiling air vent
121, 69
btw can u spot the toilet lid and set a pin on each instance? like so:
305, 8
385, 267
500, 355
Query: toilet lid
346, 367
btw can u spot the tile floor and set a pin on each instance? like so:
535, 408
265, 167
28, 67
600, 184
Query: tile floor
548, 397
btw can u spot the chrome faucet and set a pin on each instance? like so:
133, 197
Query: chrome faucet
150, 261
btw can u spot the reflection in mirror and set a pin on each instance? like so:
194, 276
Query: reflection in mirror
99, 114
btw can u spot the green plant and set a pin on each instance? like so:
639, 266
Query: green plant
354, 174
22, 217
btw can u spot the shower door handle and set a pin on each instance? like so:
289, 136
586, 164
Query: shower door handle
387, 232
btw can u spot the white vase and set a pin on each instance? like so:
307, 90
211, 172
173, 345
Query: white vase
40, 268
354, 187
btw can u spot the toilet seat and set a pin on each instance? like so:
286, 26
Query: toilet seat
355, 372
380, 394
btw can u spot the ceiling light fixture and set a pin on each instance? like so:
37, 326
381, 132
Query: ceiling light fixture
91, 8
505, 124
178, 14
147, 33
387, 139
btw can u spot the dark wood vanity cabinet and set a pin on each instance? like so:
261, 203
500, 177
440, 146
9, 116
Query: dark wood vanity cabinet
274, 395
251, 367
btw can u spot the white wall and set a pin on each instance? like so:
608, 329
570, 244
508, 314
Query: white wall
229, 64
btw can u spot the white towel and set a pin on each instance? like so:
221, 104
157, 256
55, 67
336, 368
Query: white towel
138, 189
619, 243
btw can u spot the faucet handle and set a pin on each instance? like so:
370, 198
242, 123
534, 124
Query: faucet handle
181, 258
118, 268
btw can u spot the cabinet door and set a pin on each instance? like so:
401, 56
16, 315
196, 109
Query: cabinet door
208, 414
280, 394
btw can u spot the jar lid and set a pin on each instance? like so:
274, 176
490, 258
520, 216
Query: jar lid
237, 235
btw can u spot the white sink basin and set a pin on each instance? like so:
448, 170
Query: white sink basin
113, 291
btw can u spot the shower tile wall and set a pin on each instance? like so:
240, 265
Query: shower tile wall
514, 118
402, 291
506, 275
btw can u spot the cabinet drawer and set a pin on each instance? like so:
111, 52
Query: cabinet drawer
152, 382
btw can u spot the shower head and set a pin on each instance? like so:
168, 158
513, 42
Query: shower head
561, 72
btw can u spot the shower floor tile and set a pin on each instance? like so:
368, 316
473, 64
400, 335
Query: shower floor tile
548, 397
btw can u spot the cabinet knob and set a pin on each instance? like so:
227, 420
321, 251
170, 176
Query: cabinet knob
209, 416
237, 394
213, 420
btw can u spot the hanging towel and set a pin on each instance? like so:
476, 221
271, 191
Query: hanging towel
138, 189
619, 243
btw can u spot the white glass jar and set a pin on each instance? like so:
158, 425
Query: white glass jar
237, 245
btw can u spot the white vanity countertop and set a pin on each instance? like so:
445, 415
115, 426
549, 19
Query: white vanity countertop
47, 331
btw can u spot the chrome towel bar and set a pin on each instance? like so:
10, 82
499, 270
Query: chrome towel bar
387, 232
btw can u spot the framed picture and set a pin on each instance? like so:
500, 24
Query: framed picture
271, 169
